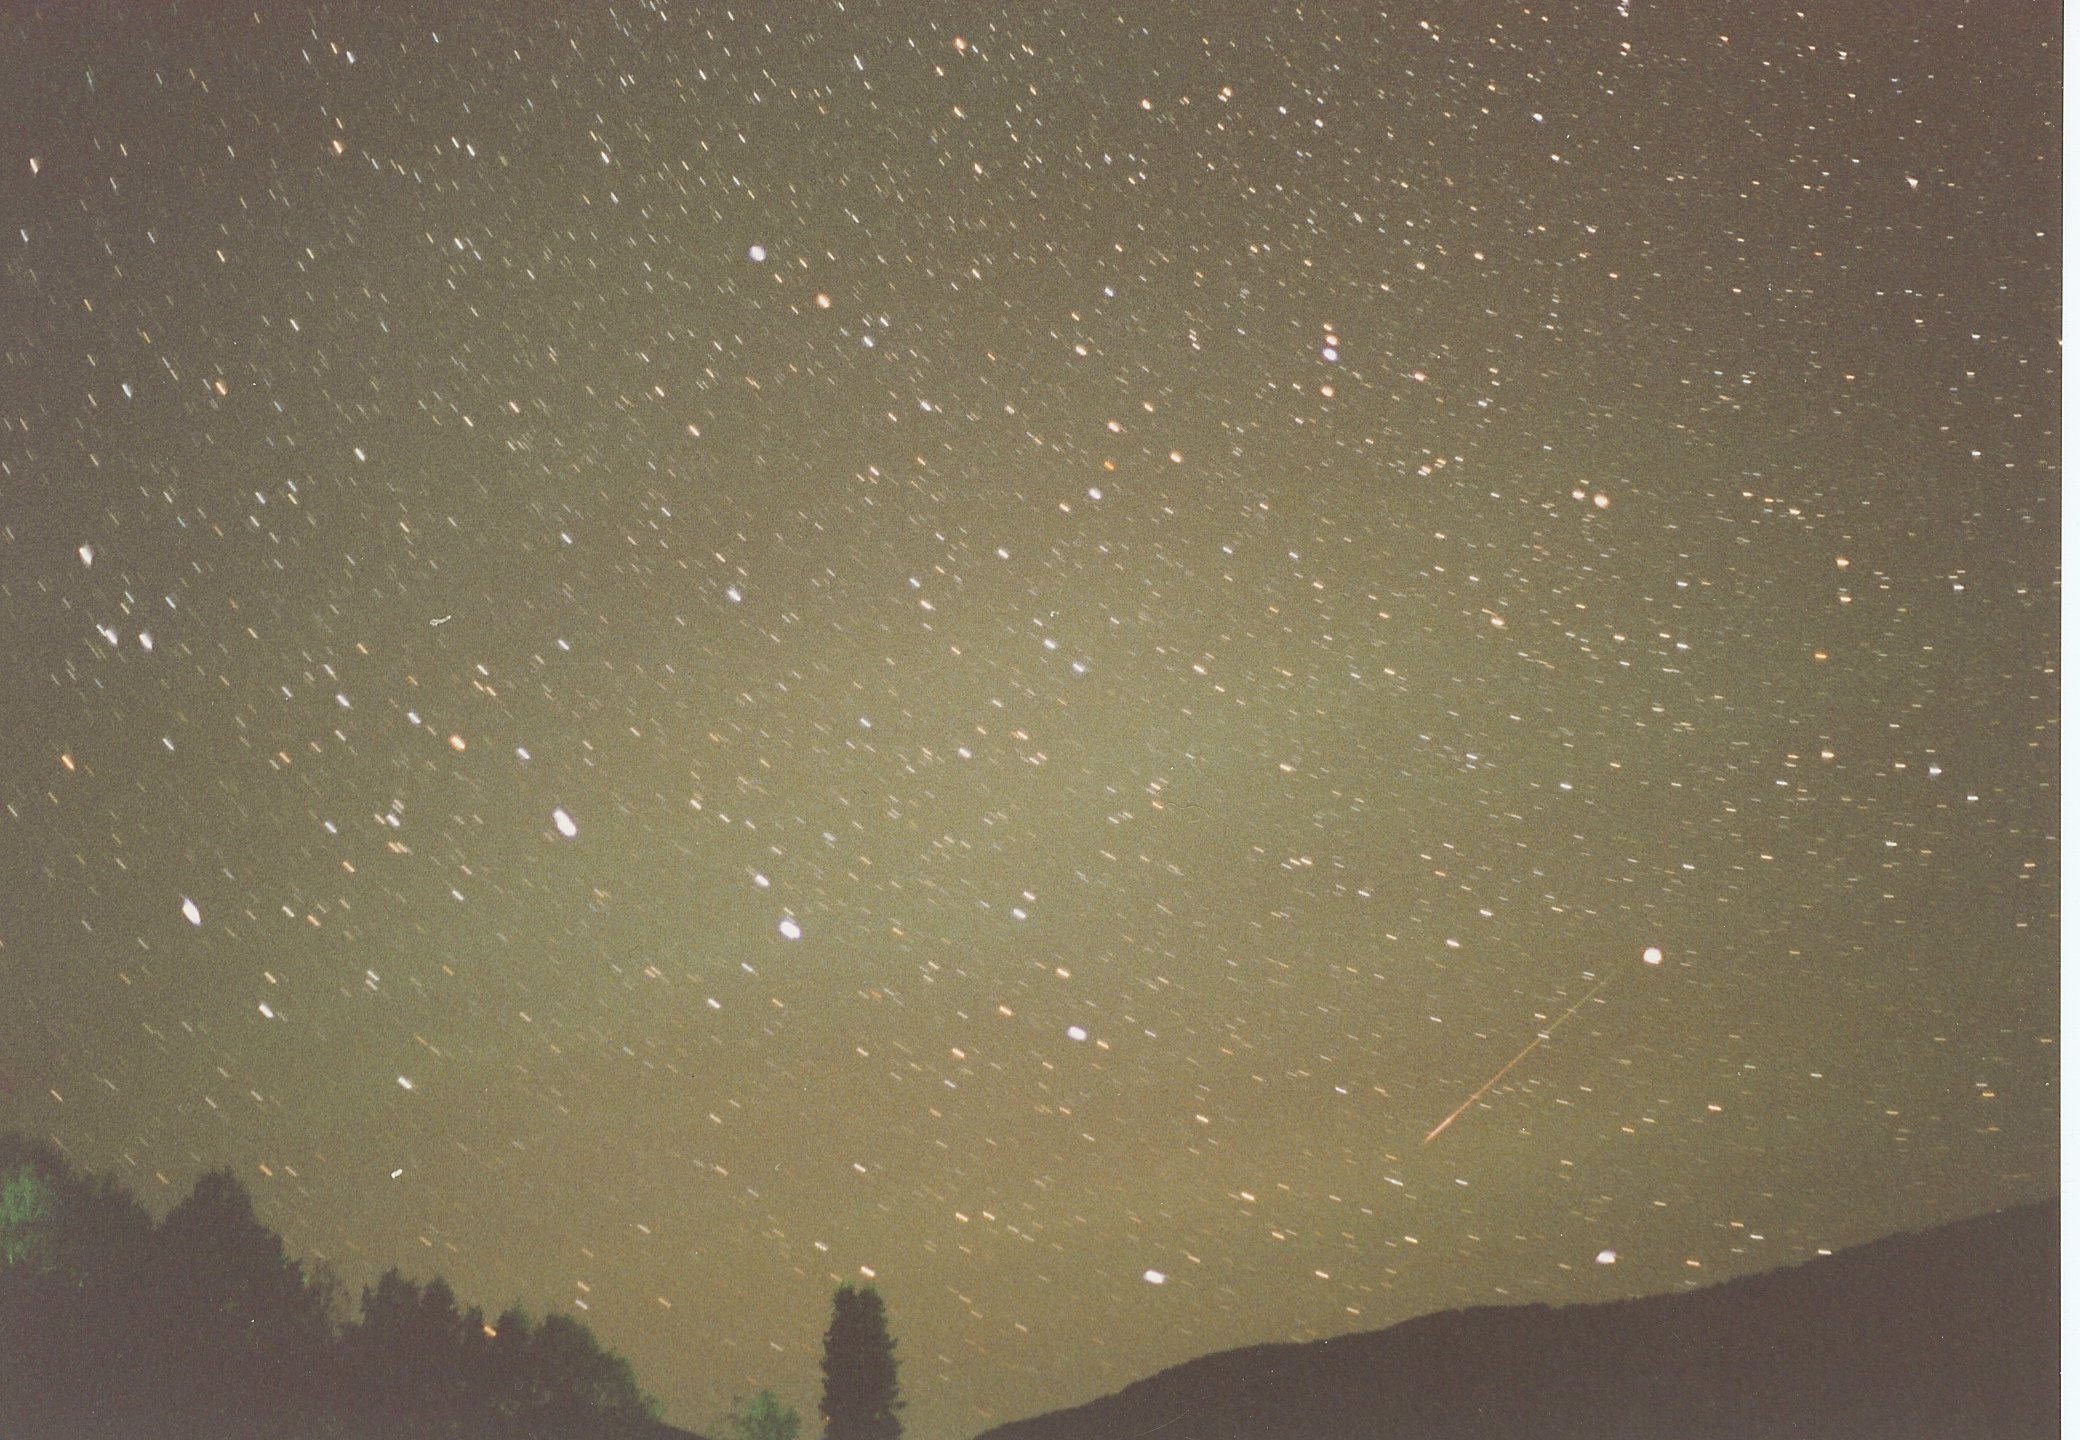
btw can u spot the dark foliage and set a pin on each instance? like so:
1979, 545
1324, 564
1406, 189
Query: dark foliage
763, 1417
1925, 1337
78, 1256
859, 1370
203, 1325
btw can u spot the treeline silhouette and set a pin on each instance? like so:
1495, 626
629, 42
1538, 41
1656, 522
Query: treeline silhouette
203, 1325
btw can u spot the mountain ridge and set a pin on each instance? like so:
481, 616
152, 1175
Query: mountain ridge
1949, 1332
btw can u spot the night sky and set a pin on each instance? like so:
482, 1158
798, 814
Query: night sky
658, 657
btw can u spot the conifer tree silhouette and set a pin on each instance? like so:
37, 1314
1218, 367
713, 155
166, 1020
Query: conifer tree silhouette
860, 1399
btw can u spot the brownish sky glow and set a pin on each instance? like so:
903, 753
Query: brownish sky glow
659, 658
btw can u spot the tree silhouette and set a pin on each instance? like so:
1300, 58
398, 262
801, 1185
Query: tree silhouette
859, 1369
579, 1388
27, 1203
415, 1354
205, 1326
85, 1228
763, 1417
251, 1329
73, 1291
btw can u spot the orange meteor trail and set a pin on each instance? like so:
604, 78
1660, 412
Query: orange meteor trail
1537, 1040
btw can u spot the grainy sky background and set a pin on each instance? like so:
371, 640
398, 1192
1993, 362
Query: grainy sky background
661, 656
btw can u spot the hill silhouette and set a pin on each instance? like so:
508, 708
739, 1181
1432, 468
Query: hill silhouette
1944, 1334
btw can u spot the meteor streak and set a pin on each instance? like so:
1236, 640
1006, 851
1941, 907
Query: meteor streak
1537, 1040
